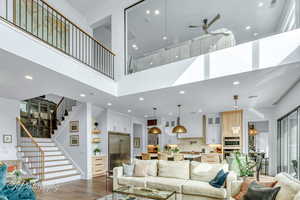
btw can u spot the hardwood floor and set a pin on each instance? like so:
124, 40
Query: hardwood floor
77, 190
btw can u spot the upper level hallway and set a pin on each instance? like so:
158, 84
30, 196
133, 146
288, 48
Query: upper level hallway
54, 43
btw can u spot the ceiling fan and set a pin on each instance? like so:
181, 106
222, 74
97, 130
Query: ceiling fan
206, 24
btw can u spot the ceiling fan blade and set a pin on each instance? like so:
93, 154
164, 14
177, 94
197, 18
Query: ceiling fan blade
194, 26
214, 20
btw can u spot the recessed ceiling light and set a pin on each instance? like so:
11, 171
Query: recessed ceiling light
147, 12
182, 92
176, 56
151, 63
260, 4
248, 27
236, 83
28, 77
164, 37
135, 46
145, 116
255, 34
109, 104
156, 12
129, 110
170, 113
141, 99
199, 110
82, 95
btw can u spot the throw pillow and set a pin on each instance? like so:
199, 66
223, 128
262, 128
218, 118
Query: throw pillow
245, 186
219, 180
259, 192
140, 169
128, 170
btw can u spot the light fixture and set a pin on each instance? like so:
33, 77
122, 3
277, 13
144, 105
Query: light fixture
200, 110
252, 130
109, 104
82, 95
170, 113
176, 56
255, 34
236, 128
129, 110
179, 129
182, 92
154, 130
135, 46
28, 77
164, 37
260, 4
248, 27
151, 63
147, 12
141, 99
156, 12
236, 83
146, 116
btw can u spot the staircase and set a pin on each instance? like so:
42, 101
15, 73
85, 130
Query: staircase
42, 158
57, 167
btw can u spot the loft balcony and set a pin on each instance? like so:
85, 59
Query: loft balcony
41, 21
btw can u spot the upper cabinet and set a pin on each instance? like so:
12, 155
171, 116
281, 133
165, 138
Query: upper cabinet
232, 123
118, 122
212, 129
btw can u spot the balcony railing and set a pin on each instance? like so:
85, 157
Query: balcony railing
42, 21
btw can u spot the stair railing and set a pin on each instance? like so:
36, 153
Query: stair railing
42, 21
31, 152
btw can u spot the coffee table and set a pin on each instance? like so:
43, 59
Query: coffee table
140, 193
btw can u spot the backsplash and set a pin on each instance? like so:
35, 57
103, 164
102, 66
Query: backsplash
193, 144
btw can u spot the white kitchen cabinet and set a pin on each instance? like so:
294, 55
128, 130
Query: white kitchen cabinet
213, 129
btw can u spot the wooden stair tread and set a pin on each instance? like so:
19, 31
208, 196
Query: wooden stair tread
43, 151
46, 161
41, 156
37, 142
57, 171
35, 146
59, 177
51, 166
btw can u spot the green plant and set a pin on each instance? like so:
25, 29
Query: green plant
246, 166
176, 150
97, 150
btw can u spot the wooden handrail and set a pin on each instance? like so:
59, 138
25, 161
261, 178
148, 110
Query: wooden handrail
78, 28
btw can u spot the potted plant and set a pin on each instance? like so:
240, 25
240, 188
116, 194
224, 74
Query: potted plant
176, 150
246, 166
97, 151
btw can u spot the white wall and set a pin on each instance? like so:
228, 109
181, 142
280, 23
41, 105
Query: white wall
9, 110
80, 155
71, 13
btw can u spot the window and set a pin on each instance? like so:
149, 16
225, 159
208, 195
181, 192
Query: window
289, 143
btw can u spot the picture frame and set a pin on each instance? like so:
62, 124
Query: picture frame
167, 124
7, 139
136, 142
74, 126
74, 140
172, 123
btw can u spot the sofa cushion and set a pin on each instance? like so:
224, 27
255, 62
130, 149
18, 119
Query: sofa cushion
140, 169
174, 169
200, 188
151, 166
289, 187
206, 171
168, 184
133, 181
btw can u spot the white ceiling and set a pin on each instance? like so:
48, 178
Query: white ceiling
147, 30
213, 95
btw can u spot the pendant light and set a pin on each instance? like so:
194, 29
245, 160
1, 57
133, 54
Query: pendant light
179, 129
236, 128
154, 130
252, 130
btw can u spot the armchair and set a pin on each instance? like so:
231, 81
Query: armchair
13, 192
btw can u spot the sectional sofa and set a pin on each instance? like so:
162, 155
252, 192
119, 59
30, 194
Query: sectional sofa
188, 179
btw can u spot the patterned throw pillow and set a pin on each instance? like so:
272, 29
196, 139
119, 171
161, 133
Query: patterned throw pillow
128, 170
140, 169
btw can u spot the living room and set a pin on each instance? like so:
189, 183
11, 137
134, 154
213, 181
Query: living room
149, 100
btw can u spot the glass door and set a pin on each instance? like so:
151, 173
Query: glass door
293, 144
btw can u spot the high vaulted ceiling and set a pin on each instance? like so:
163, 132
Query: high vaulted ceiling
146, 29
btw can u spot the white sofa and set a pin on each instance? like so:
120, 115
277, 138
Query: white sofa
188, 179
290, 187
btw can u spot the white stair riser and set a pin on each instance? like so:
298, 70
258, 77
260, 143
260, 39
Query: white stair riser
43, 148
37, 139
41, 144
62, 180
35, 153
52, 175
51, 169
63, 162
26, 159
